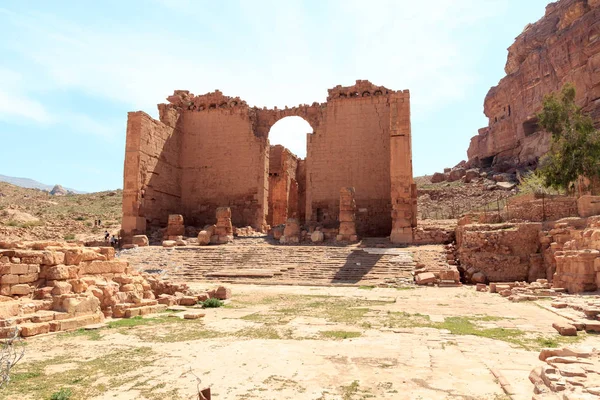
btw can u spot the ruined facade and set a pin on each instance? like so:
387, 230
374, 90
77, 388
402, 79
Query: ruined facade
284, 188
562, 47
212, 151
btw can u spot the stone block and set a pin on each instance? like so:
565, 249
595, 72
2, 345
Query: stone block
188, 301
565, 329
140, 240
57, 272
9, 279
108, 252
169, 243
425, 278
203, 296
19, 269
61, 287
167, 300
222, 293
193, 315
33, 329
128, 288
80, 305
20, 290
103, 267
592, 326
28, 278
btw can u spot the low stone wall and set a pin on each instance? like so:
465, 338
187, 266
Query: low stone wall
501, 252
434, 232
588, 206
550, 208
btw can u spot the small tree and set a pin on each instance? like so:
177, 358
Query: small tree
575, 149
10, 354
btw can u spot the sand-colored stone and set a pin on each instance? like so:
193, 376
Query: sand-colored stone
212, 150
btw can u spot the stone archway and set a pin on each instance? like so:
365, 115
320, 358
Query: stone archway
287, 170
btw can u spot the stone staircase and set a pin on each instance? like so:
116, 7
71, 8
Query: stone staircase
260, 262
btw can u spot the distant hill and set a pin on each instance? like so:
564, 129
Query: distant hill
31, 184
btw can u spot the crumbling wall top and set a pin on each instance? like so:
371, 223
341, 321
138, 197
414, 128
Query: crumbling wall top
212, 100
362, 88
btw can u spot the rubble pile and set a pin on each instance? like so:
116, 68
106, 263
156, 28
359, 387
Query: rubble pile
524, 291
568, 373
56, 286
444, 274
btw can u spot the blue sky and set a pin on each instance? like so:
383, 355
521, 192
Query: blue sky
71, 70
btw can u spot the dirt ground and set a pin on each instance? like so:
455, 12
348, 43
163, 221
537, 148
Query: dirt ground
302, 342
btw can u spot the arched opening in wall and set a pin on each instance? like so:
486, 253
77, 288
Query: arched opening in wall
287, 170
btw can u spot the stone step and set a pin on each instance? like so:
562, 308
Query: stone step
143, 310
67, 324
241, 273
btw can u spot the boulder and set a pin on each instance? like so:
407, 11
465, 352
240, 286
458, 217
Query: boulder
438, 177
140, 240
456, 174
317, 237
478, 277
169, 243
203, 238
470, 175
425, 278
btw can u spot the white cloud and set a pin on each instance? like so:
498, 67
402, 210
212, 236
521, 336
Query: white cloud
15, 102
280, 56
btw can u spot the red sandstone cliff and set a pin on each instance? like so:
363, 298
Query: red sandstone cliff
563, 46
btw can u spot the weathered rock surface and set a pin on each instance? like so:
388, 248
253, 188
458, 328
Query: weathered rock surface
563, 46
567, 374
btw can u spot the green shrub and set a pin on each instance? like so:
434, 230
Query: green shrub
212, 303
62, 394
80, 218
69, 236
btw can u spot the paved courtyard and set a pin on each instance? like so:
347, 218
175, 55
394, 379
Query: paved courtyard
305, 342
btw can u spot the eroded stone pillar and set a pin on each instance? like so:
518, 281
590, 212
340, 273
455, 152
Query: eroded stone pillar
403, 190
175, 227
291, 232
223, 232
347, 231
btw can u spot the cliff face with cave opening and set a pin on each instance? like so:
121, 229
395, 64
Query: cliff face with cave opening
562, 47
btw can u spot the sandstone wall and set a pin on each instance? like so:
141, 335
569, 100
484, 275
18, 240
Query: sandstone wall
353, 150
223, 164
212, 150
152, 173
503, 252
283, 186
563, 46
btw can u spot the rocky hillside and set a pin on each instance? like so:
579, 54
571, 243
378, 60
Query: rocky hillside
448, 194
31, 184
562, 47
35, 214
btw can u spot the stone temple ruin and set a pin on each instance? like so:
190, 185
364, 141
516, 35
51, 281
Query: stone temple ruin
212, 151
